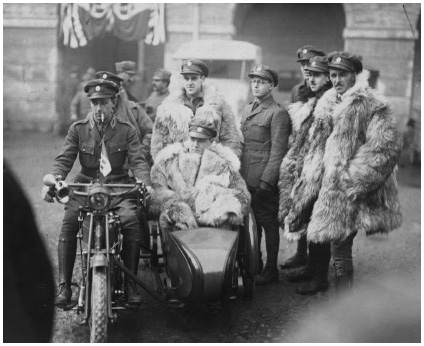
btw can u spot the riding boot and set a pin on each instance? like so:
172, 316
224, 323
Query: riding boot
319, 282
305, 273
272, 242
344, 276
131, 257
144, 234
300, 258
66, 257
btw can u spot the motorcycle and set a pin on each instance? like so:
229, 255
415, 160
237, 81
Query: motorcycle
189, 266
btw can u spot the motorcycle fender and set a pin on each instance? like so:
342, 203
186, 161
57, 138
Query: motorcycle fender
98, 261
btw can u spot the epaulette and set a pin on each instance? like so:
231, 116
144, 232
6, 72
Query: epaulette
119, 120
82, 121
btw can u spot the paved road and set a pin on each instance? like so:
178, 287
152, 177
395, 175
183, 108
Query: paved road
385, 306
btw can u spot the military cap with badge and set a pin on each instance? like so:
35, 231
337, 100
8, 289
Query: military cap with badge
194, 66
307, 52
101, 89
345, 61
264, 71
162, 74
126, 66
318, 64
109, 76
201, 128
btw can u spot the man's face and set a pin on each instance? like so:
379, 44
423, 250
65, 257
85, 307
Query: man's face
102, 106
342, 80
317, 80
193, 83
261, 87
159, 84
305, 73
127, 79
198, 145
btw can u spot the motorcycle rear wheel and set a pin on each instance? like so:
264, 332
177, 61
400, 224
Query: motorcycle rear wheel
99, 320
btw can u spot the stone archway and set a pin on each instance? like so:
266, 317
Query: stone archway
280, 29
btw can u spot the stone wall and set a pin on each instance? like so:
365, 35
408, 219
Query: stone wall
29, 66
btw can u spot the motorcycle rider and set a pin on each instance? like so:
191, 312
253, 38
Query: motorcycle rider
103, 143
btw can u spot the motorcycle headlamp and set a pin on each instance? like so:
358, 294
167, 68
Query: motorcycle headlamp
99, 198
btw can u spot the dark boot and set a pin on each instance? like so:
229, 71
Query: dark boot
319, 282
344, 276
302, 274
300, 258
268, 276
66, 257
131, 257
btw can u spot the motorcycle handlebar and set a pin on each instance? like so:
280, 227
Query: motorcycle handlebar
134, 188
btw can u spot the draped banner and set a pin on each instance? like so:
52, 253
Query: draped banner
80, 23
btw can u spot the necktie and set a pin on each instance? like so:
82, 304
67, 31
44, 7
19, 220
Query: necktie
105, 167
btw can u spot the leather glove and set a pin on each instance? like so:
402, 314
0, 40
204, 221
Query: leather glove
45, 194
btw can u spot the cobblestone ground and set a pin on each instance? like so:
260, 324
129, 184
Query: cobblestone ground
385, 305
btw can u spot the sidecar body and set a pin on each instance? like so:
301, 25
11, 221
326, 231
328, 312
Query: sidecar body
205, 264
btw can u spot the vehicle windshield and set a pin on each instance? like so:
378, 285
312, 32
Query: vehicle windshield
228, 69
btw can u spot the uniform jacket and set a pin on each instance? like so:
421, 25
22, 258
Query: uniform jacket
134, 114
266, 131
353, 172
199, 190
83, 140
175, 113
153, 102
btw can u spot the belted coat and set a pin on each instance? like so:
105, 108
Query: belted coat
266, 130
84, 140
350, 168
175, 113
199, 190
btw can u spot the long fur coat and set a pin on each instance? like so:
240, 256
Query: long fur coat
173, 117
197, 190
351, 169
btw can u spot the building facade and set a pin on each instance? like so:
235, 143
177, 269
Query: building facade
36, 62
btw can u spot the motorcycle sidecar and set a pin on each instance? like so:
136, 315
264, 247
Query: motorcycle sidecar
204, 264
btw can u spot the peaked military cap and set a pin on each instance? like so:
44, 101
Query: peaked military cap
307, 52
201, 128
264, 71
125, 66
345, 61
109, 76
101, 89
160, 73
194, 66
318, 64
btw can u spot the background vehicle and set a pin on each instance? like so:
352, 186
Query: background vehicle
229, 63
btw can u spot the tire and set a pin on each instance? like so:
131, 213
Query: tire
99, 320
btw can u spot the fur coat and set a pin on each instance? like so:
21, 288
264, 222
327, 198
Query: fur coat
301, 116
197, 190
351, 169
173, 117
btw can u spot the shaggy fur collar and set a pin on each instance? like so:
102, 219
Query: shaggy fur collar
300, 111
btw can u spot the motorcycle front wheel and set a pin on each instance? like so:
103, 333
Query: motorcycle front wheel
99, 320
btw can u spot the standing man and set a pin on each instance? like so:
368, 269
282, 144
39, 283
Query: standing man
161, 80
86, 139
356, 169
300, 92
193, 97
80, 104
306, 133
266, 128
126, 70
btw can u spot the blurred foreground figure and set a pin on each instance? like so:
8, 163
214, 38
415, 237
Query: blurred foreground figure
28, 288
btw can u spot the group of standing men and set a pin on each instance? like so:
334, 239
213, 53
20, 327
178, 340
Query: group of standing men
322, 171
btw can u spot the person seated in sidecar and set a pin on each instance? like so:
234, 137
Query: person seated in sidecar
197, 183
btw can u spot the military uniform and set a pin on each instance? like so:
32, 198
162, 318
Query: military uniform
153, 102
266, 128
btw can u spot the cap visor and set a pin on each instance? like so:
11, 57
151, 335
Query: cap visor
340, 67
191, 72
315, 69
99, 96
198, 135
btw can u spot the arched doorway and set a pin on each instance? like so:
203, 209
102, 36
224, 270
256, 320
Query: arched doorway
280, 29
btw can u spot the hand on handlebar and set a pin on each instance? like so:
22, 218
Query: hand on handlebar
45, 194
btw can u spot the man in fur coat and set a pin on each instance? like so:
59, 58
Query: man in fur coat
197, 183
192, 97
352, 171
302, 118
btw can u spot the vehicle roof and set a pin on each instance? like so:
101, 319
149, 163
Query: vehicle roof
218, 50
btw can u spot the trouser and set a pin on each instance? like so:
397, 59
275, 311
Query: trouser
319, 258
341, 251
144, 229
265, 209
67, 244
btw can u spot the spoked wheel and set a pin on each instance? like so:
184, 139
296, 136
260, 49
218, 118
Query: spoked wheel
248, 255
98, 319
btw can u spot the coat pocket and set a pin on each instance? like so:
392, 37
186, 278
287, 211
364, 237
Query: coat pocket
118, 148
260, 132
86, 148
256, 168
